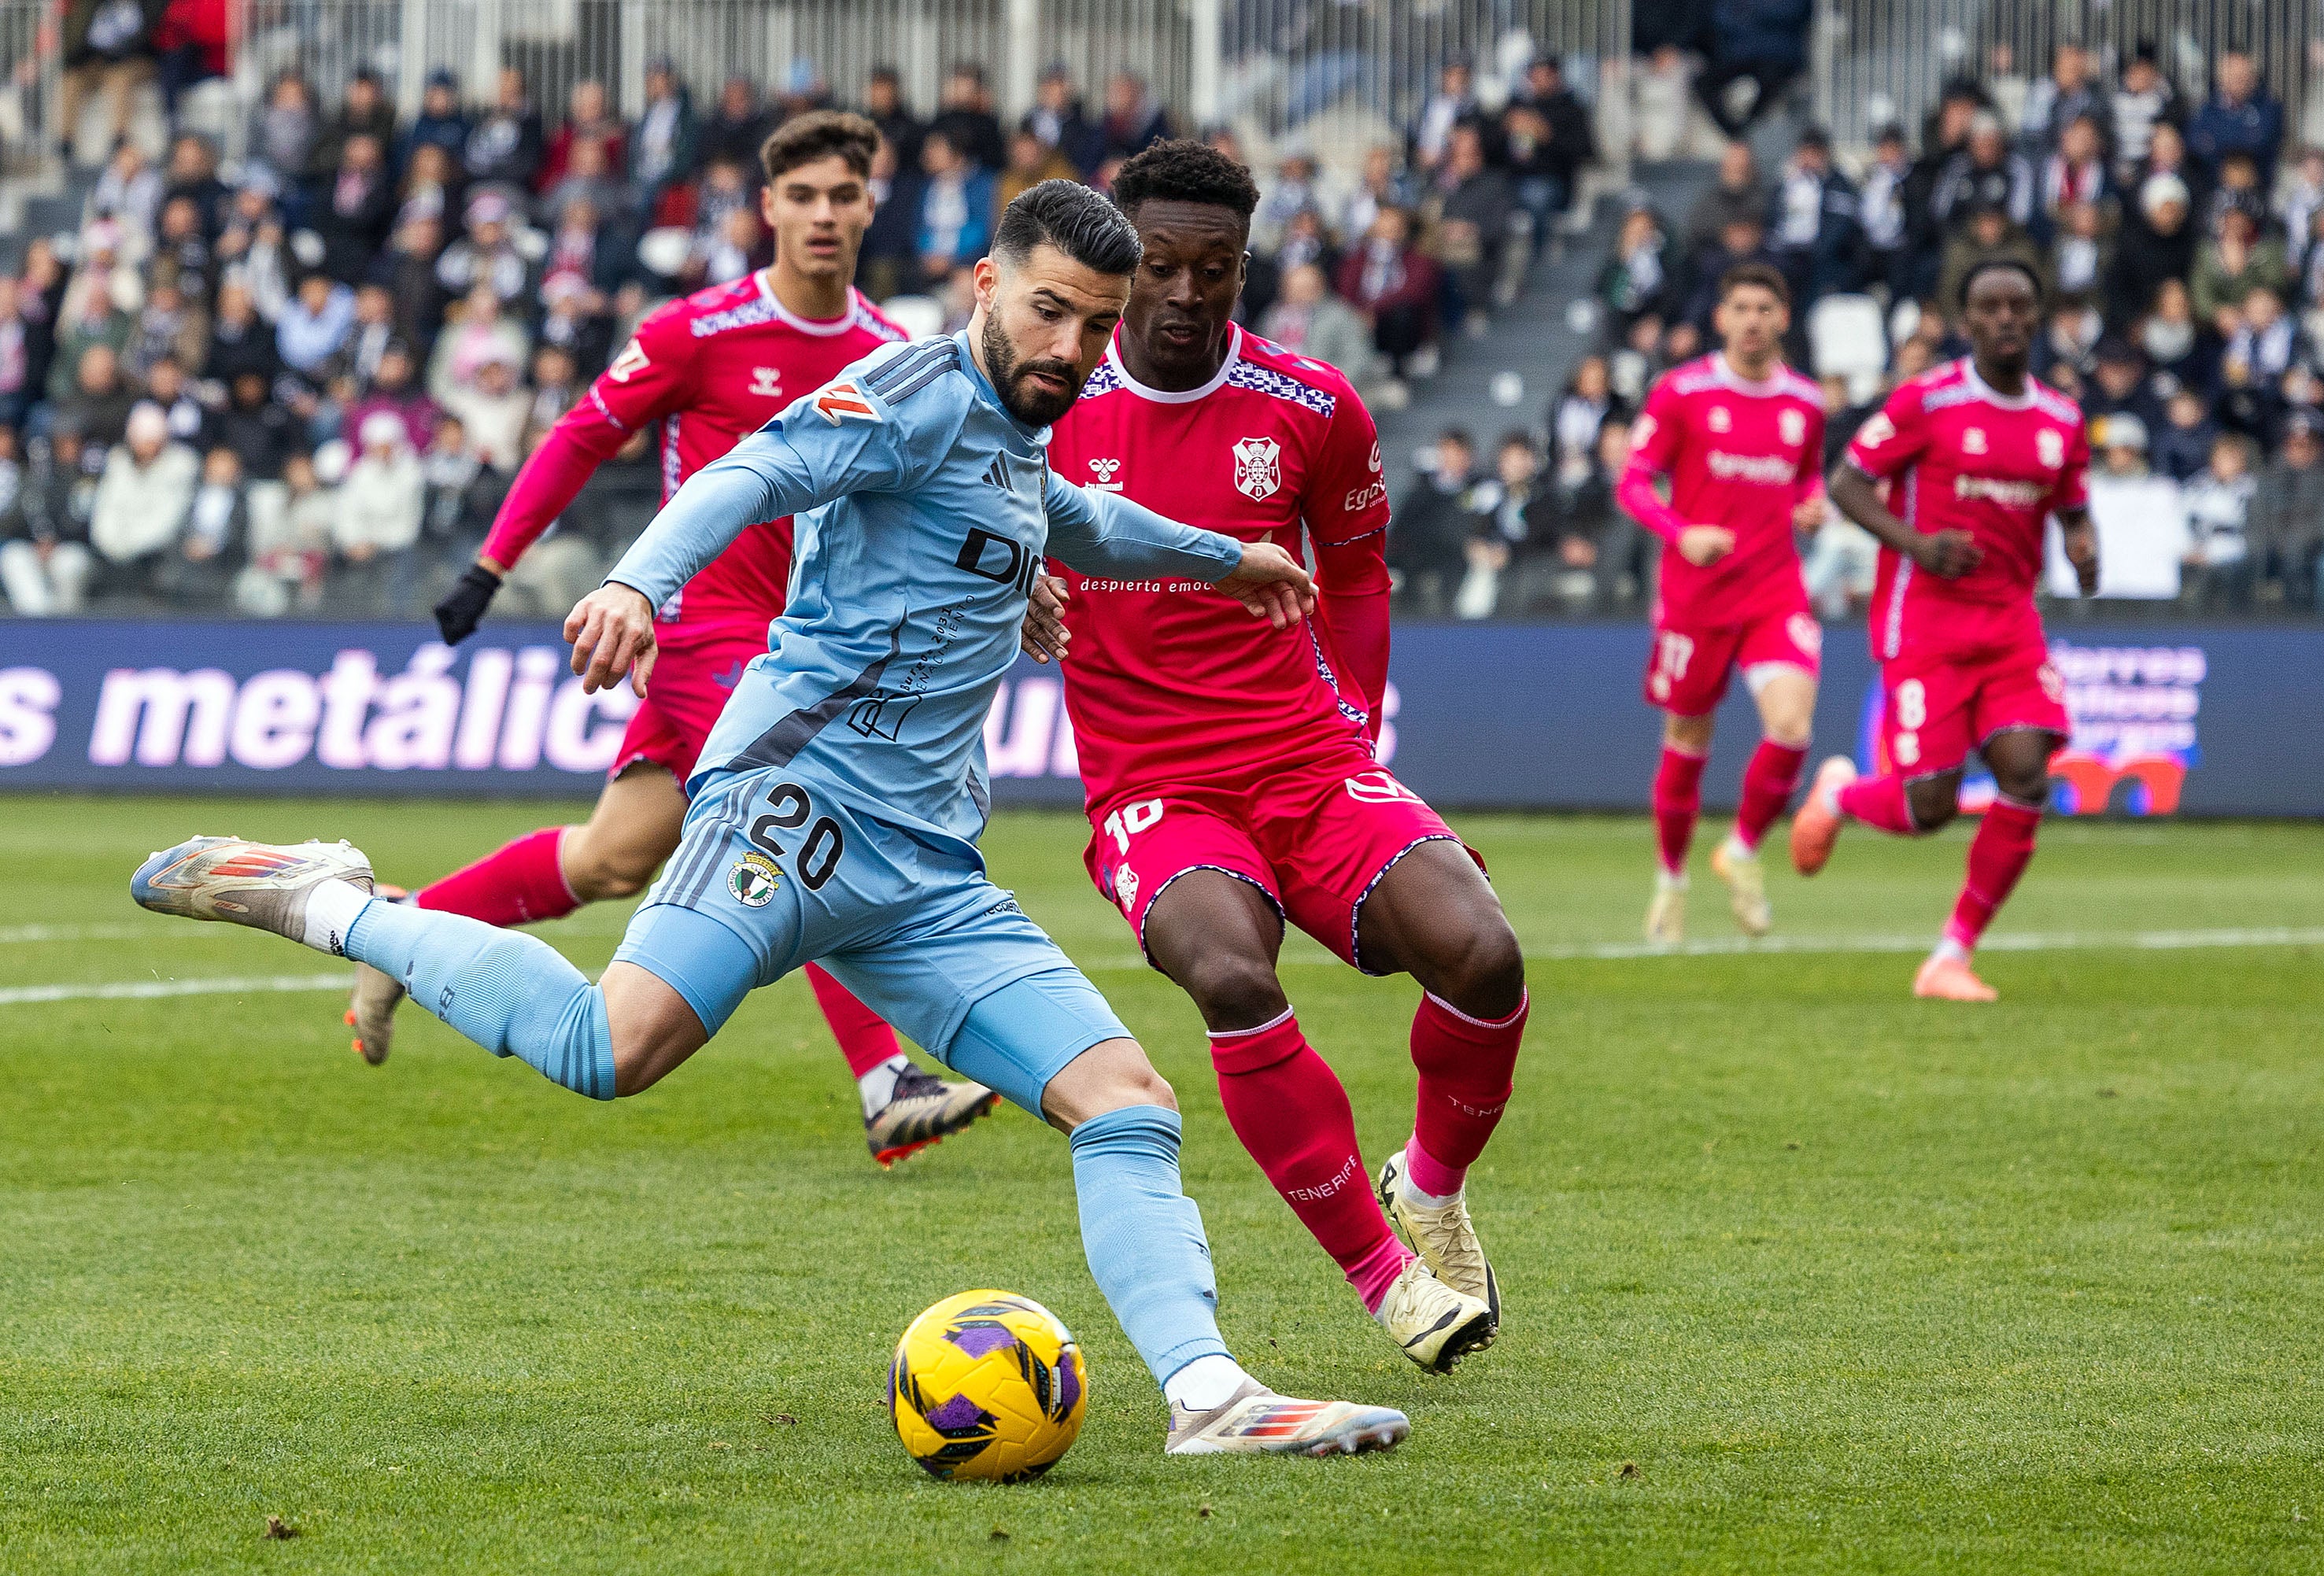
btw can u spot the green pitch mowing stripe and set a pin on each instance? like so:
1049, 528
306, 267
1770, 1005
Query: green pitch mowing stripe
1799, 1273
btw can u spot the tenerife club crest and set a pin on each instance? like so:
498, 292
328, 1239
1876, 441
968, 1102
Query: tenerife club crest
1259, 468
1791, 425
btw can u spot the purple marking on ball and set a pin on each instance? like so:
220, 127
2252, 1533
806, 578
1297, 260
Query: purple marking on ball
960, 1412
981, 1340
1069, 1385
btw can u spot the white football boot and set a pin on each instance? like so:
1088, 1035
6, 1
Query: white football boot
1445, 1238
370, 1011
1255, 1421
1435, 1326
263, 885
1667, 914
1747, 886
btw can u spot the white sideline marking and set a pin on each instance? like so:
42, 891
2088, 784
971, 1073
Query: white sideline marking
22, 934
135, 990
1601, 951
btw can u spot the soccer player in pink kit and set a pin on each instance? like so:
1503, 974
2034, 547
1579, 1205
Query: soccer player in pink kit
1740, 436
1977, 456
710, 369
1229, 766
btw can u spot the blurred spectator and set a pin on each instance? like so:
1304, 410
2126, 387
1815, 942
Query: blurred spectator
100, 399
1031, 162
141, 500
1548, 136
364, 112
2234, 262
316, 325
965, 118
181, 251
45, 562
487, 254
197, 569
2235, 184
1743, 240
1738, 193
2239, 117
1293, 189
263, 434
589, 178
359, 211
192, 175
736, 128
1636, 281
588, 119
1430, 527
408, 270
194, 43
2122, 447
955, 207
2075, 170
890, 257
2166, 154
2082, 255
1307, 320
1761, 42
1577, 415
432, 187
129, 192
1135, 119
2299, 200
1394, 284
2287, 513
1986, 235
377, 519
89, 317
284, 129
884, 108
1383, 184
442, 122
2158, 245
1453, 104
1604, 557
493, 408
1059, 119
2071, 92
289, 547
1467, 220
17, 384
664, 150
2181, 447
395, 391
369, 336
2119, 386
2144, 101
504, 144
2217, 573
2266, 338
1818, 240
109, 47
1515, 533
1987, 172
1944, 136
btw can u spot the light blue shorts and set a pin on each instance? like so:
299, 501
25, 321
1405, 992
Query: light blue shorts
771, 876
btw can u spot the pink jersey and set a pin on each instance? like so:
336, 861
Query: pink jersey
1171, 682
1959, 456
711, 369
1739, 455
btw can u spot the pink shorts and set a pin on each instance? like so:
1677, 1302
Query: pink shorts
695, 671
1936, 707
1315, 839
1687, 666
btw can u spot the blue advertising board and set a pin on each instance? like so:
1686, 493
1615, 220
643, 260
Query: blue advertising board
2191, 720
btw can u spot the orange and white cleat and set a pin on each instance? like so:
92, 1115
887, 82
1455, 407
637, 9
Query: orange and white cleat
1950, 979
1816, 825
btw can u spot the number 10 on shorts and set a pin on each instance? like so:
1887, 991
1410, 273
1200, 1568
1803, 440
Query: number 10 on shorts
1130, 820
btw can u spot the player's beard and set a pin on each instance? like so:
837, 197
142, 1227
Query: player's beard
1034, 410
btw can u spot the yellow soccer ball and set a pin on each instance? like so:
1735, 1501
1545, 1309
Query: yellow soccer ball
988, 1385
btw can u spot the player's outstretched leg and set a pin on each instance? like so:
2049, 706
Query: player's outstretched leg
1143, 1236
1433, 915
1677, 804
1216, 936
905, 1108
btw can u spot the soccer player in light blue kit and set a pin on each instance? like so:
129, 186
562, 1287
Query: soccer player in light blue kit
836, 808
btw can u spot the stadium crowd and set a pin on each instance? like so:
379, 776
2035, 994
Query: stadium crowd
2181, 244
301, 382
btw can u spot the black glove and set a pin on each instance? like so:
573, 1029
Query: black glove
465, 604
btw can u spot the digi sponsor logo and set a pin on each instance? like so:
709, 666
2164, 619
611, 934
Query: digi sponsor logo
1772, 470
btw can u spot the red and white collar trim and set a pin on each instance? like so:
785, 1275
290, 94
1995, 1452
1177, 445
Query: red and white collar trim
1991, 396
1766, 388
1178, 396
823, 327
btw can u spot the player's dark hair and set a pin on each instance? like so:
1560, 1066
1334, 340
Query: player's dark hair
1764, 276
1075, 220
1186, 170
818, 134
1979, 269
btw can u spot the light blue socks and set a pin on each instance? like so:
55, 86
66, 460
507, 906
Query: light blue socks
1144, 1237
512, 993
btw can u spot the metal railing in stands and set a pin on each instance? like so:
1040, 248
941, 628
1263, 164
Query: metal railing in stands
1334, 74
1878, 62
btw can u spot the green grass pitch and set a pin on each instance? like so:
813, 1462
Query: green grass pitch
1800, 1273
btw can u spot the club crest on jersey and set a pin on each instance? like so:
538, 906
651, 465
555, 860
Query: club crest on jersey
843, 401
1720, 420
1101, 474
753, 879
1258, 467
1972, 440
1792, 427
766, 382
1806, 633
2050, 447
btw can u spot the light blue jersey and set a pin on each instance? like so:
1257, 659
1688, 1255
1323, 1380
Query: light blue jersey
838, 802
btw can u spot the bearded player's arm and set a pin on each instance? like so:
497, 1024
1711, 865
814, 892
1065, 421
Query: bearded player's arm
651, 377
837, 441
1346, 513
1106, 534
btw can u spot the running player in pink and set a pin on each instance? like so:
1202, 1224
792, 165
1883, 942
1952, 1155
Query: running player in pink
1977, 456
1229, 766
709, 369
1740, 436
